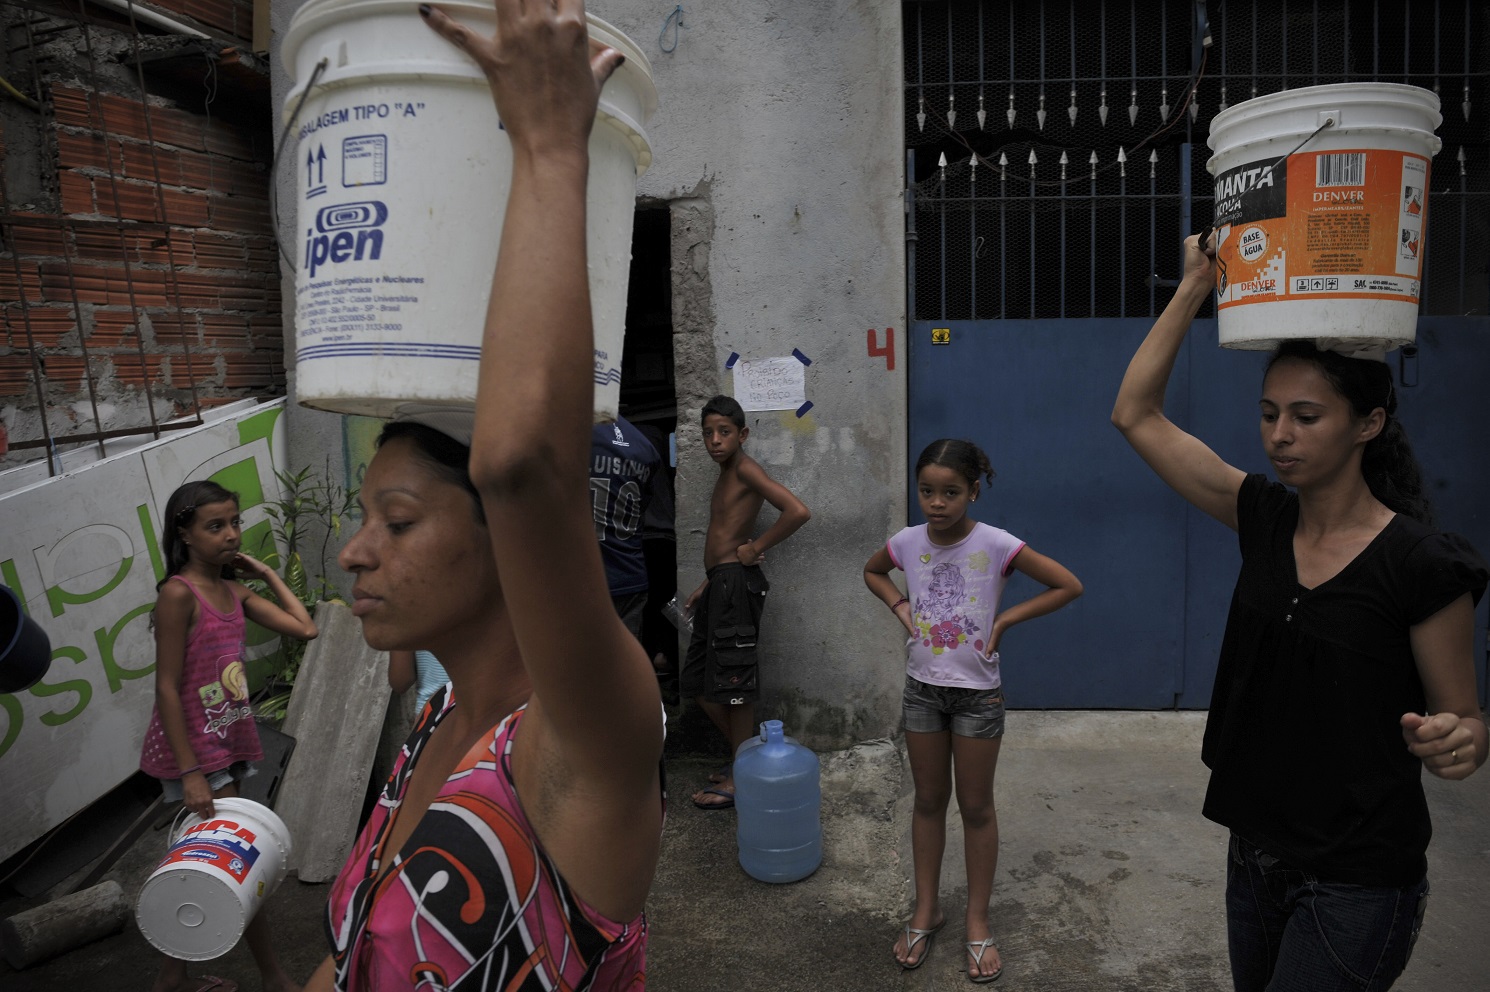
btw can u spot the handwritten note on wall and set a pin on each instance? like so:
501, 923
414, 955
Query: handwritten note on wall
770, 383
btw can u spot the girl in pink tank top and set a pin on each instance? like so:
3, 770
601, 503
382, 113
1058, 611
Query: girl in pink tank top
202, 725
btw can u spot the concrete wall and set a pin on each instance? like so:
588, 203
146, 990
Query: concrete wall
777, 146
777, 142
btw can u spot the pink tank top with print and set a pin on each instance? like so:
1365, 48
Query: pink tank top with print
214, 697
472, 902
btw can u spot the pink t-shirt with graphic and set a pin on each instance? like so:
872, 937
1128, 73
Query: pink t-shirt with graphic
954, 592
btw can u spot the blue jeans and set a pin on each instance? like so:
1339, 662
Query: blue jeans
1290, 931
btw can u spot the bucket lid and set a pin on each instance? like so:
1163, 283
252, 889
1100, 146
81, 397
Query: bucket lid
1295, 113
428, 56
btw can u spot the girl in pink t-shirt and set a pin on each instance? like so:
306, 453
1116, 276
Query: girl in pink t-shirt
202, 732
955, 571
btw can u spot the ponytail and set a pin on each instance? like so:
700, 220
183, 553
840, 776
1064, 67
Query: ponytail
963, 457
1392, 471
1390, 468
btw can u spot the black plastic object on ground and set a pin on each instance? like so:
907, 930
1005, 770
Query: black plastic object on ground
25, 649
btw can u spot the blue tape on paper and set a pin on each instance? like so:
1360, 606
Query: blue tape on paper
801, 357
734, 357
802, 410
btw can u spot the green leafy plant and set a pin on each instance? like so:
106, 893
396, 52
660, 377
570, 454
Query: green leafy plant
308, 500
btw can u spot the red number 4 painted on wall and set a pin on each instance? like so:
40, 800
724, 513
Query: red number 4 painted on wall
888, 350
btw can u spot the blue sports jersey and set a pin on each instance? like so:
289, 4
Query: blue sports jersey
622, 462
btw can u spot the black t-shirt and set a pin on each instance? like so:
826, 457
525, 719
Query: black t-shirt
1303, 741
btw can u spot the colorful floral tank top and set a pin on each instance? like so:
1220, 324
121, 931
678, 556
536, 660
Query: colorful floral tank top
472, 901
214, 697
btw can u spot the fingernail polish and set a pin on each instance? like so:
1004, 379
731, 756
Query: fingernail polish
424, 10
620, 61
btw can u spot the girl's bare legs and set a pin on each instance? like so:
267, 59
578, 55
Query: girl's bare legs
975, 762
931, 772
258, 935
173, 973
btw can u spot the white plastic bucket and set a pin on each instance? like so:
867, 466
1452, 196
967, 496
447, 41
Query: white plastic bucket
214, 878
402, 187
1327, 242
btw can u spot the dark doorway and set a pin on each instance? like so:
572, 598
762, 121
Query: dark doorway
649, 400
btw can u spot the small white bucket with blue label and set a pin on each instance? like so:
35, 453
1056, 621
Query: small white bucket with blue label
215, 877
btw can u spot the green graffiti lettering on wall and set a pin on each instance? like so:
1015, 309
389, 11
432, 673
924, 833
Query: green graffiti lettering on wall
241, 478
152, 543
80, 686
13, 716
106, 636
10, 578
59, 599
260, 425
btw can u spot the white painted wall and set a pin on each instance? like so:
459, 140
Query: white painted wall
82, 551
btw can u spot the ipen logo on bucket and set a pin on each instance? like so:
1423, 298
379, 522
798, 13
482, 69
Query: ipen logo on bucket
346, 232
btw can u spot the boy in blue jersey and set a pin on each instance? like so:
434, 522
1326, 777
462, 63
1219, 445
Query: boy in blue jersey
622, 463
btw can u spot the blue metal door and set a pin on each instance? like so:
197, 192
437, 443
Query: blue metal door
1036, 395
1056, 157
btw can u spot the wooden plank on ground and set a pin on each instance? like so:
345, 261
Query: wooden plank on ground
336, 715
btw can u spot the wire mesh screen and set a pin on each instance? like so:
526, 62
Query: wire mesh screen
1057, 150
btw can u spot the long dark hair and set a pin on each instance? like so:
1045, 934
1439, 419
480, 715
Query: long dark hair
181, 510
963, 457
1391, 469
447, 457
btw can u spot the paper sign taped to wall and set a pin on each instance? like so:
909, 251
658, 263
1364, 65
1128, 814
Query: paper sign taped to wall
770, 383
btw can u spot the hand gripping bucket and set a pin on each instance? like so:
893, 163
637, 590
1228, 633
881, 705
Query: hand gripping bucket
1321, 208
402, 181
214, 878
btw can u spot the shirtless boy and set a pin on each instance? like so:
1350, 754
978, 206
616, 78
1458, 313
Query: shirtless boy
720, 669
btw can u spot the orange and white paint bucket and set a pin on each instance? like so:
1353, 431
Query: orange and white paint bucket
1321, 197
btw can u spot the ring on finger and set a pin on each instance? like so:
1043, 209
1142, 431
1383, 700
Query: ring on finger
1454, 756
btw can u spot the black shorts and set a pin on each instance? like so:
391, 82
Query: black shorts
721, 661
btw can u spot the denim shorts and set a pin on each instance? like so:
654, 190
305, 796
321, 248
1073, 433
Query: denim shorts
931, 709
236, 772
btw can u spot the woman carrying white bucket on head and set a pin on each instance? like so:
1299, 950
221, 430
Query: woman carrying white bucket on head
515, 842
1346, 667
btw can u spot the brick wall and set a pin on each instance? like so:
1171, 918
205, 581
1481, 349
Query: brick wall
162, 242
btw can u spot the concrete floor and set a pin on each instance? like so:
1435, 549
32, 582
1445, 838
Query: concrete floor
1108, 879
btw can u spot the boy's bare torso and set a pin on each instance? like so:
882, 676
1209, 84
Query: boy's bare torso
732, 512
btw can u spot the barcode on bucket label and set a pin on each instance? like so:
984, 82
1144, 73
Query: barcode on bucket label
1347, 169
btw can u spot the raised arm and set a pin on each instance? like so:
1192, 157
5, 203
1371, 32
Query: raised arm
1451, 738
288, 617
1184, 462
792, 512
594, 708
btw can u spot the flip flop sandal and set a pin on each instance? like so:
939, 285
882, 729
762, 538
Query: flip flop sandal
211, 983
975, 949
716, 791
914, 936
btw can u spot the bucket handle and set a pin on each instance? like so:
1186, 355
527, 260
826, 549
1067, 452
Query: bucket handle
279, 148
1328, 122
175, 824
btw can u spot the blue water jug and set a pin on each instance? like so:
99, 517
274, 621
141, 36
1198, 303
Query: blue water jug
778, 805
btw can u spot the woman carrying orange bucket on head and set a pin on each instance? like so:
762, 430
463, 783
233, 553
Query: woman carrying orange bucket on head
515, 842
1346, 667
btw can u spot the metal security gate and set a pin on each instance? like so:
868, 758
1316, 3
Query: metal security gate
1056, 158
